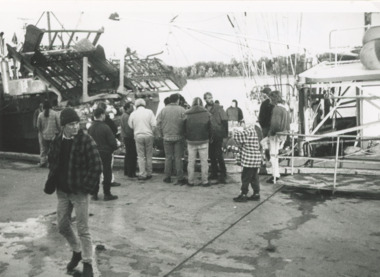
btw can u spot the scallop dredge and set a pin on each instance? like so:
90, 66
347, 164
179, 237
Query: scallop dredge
75, 73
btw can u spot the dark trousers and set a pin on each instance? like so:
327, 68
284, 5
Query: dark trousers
130, 158
250, 175
107, 172
216, 157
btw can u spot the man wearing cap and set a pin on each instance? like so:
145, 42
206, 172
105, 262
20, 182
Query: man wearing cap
143, 123
106, 142
74, 170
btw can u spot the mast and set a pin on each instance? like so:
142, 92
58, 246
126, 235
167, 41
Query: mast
367, 20
49, 27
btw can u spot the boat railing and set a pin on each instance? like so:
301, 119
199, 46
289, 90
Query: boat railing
338, 140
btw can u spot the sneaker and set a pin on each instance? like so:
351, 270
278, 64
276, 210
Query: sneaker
75, 259
254, 197
95, 197
168, 180
110, 197
87, 270
241, 198
115, 184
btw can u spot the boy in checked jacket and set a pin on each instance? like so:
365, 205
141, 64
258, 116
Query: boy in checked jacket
250, 159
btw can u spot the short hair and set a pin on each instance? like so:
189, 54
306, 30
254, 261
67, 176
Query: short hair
167, 100
275, 97
206, 93
102, 105
127, 105
217, 102
197, 102
98, 112
174, 97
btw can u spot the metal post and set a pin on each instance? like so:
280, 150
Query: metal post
85, 80
336, 161
121, 88
292, 152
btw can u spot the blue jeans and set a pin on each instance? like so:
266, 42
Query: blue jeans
202, 149
144, 147
174, 150
79, 202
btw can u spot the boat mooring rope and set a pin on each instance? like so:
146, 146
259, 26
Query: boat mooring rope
222, 233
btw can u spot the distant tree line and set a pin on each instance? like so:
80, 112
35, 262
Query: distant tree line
296, 63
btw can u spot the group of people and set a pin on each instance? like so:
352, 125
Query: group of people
77, 158
202, 128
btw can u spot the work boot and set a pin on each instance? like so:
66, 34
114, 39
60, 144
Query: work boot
87, 270
213, 177
254, 197
241, 198
115, 184
75, 259
110, 197
182, 182
222, 179
168, 180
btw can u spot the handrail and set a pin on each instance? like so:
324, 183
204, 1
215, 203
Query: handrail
337, 158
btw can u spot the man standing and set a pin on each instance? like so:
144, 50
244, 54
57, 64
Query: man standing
265, 112
74, 170
170, 126
130, 159
197, 133
113, 128
48, 126
280, 122
143, 123
106, 143
219, 122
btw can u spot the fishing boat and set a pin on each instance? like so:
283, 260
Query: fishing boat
69, 68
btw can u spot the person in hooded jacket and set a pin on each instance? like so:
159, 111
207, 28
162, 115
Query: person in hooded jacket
198, 132
234, 113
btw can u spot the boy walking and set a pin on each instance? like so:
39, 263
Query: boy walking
250, 154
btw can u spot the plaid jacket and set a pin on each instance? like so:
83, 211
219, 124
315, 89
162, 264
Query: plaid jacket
85, 165
250, 148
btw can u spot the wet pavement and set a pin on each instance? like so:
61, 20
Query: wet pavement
158, 229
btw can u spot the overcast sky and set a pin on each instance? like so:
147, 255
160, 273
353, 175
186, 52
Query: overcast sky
191, 31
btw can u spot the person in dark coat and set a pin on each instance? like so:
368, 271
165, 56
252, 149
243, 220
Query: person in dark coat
74, 170
107, 144
130, 159
234, 113
219, 122
198, 132
113, 128
280, 122
265, 113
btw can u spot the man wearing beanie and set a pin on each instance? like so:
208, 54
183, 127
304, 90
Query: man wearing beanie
74, 170
106, 142
143, 123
